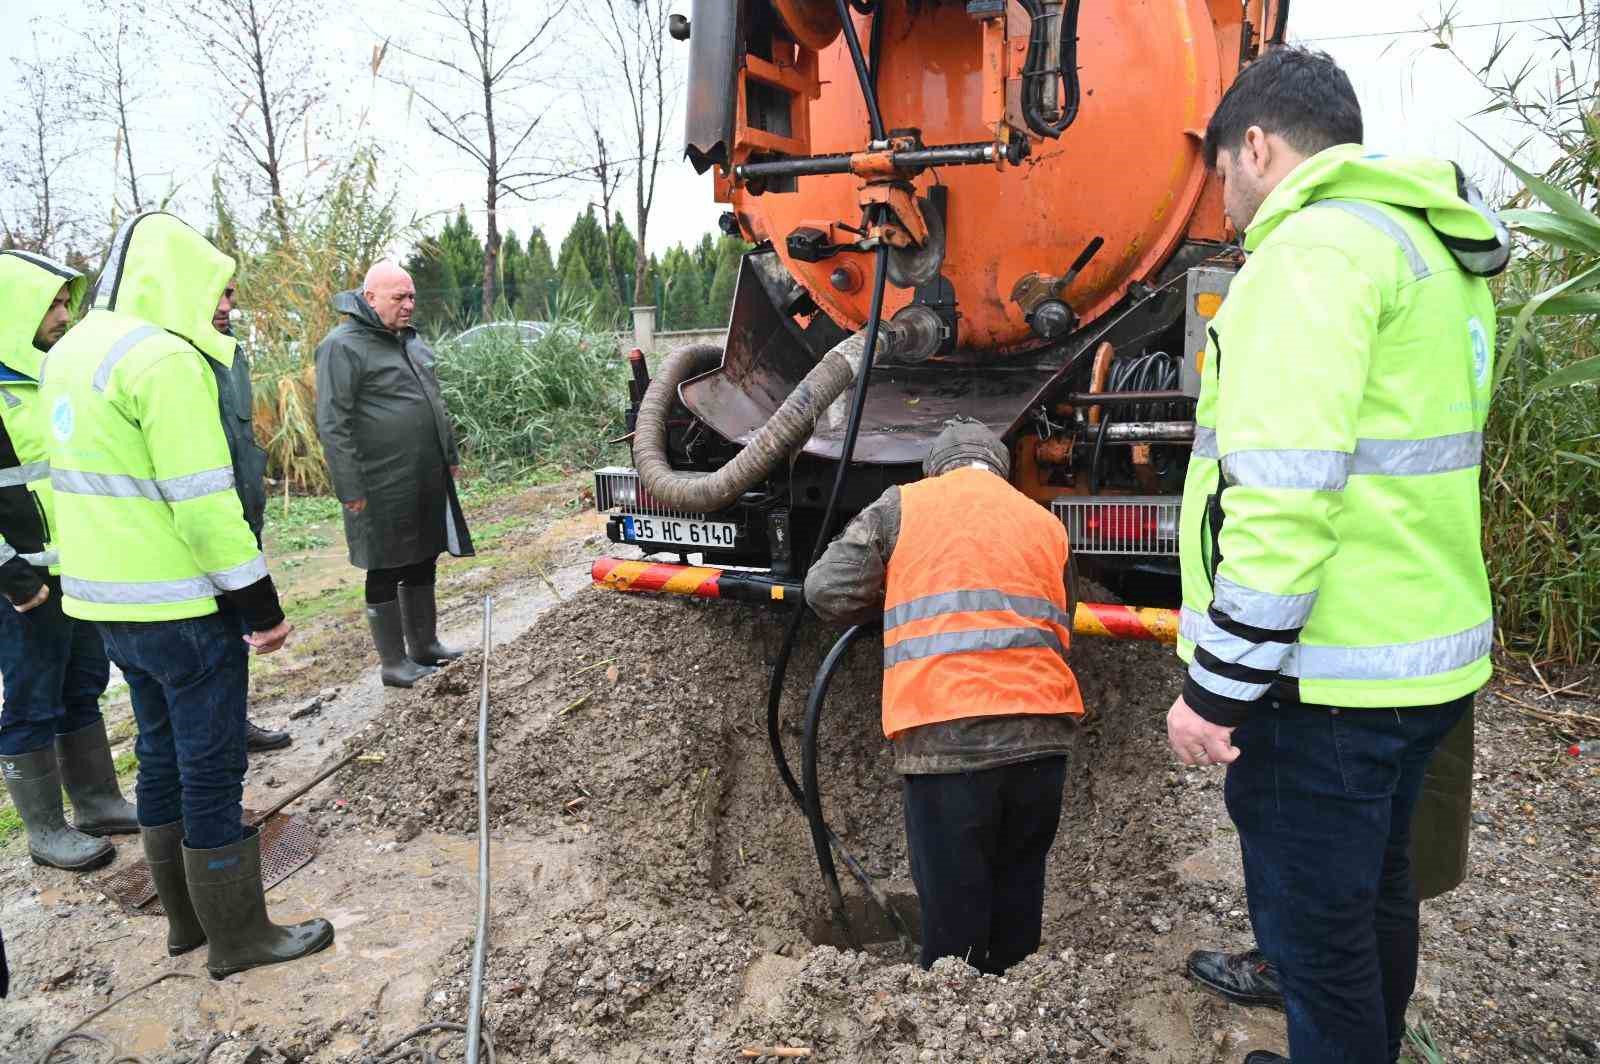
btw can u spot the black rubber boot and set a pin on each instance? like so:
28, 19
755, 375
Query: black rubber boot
35, 785
1263, 1056
1243, 978
163, 852
225, 888
387, 636
420, 610
90, 779
258, 739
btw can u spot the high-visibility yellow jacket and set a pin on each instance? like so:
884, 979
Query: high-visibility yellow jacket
148, 524
1330, 525
29, 284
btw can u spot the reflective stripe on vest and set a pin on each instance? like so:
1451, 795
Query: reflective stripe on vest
122, 486
972, 601
1394, 661
968, 642
16, 476
156, 592
10, 400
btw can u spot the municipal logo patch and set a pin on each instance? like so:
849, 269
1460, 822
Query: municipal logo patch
62, 419
1480, 351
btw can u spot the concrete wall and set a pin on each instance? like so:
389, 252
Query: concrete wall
671, 341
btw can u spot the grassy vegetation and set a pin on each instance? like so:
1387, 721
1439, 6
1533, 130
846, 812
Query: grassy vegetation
545, 407
1541, 490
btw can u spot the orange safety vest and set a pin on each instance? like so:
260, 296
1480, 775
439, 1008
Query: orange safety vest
975, 616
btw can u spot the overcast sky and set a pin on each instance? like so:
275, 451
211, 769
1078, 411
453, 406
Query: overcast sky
1415, 98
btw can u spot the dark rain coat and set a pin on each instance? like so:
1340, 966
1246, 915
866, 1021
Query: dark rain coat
235, 402
388, 440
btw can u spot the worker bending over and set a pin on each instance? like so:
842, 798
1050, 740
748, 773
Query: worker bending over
968, 576
155, 550
1336, 616
55, 668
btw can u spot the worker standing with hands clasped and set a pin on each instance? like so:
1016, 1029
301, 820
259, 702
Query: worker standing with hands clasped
55, 668
1336, 612
138, 455
969, 579
392, 455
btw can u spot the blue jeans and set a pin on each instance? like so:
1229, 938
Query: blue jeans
55, 671
978, 842
1323, 799
189, 680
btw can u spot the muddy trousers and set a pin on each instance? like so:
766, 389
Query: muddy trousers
978, 843
1323, 799
189, 681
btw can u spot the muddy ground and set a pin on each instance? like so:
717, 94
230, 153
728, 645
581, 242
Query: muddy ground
656, 895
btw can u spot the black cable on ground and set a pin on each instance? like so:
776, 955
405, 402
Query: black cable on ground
78, 1034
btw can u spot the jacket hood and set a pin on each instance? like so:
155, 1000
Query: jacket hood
356, 306
28, 285
1435, 189
161, 270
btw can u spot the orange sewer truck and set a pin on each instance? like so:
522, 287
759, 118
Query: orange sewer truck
1005, 201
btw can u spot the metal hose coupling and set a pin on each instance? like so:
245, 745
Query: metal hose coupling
784, 433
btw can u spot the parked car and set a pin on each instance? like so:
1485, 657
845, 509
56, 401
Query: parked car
527, 332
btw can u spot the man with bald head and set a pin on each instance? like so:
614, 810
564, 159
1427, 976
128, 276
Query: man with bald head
392, 455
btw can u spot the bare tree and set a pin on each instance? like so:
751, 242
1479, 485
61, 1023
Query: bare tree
111, 64
40, 124
260, 52
471, 94
635, 34
605, 172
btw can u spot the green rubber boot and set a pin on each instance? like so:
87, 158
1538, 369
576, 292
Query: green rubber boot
90, 777
163, 852
225, 888
388, 636
35, 785
420, 609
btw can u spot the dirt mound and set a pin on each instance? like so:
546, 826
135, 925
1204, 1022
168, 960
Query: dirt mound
679, 912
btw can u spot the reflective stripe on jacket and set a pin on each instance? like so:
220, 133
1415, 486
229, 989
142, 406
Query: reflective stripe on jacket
975, 612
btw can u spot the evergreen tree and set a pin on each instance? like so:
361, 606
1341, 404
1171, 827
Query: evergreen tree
513, 274
461, 249
624, 250
436, 287
586, 238
578, 295
719, 301
539, 280
686, 298
705, 259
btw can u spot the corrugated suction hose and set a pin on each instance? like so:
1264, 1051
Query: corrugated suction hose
785, 432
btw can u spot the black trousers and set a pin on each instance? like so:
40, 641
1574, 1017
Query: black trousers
382, 583
978, 844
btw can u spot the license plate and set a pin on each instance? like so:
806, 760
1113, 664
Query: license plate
678, 532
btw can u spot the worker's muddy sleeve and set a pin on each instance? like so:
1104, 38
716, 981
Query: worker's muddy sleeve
846, 585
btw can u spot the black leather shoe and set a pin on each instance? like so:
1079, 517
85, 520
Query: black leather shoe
1243, 978
1262, 1056
257, 739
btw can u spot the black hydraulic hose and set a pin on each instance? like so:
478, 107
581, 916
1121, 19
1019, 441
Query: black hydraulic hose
821, 835
863, 75
858, 405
